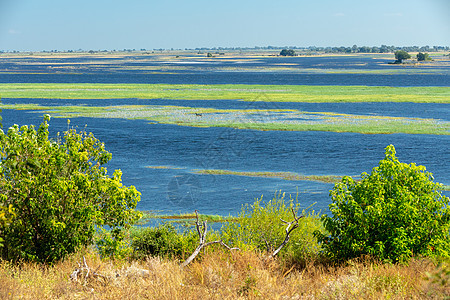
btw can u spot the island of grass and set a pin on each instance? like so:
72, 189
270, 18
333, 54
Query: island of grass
266, 174
268, 93
254, 119
184, 218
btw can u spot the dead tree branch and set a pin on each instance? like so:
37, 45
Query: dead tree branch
86, 271
289, 229
202, 229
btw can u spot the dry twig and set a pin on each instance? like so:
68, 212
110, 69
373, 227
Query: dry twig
86, 271
202, 230
294, 225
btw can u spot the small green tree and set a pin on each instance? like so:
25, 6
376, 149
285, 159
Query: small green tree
423, 57
287, 52
400, 55
60, 193
394, 213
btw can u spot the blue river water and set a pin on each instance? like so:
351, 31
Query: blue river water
136, 144
297, 71
234, 78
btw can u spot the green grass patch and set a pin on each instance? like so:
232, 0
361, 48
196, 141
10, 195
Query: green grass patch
446, 187
272, 93
281, 175
163, 167
183, 217
369, 127
254, 119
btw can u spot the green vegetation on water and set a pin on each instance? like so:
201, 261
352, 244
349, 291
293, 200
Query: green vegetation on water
163, 167
182, 217
255, 119
264, 174
281, 175
271, 93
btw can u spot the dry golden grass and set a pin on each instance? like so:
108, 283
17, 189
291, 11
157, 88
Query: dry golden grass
220, 275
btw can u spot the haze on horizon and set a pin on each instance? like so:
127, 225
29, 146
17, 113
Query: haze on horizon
29, 25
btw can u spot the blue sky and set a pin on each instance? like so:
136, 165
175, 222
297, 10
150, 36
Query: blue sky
34, 25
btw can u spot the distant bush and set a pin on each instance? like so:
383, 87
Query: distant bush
58, 192
259, 227
287, 52
394, 213
401, 55
423, 57
163, 240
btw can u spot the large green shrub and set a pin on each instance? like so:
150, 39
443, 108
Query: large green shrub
60, 193
259, 227
394, 213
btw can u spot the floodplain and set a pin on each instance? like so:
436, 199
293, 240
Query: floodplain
271, 123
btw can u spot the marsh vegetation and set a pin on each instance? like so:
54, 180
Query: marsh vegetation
258, 119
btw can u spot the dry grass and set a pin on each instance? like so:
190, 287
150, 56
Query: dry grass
220, 275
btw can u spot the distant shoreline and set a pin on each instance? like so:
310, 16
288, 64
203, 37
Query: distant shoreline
441, 59
215, 53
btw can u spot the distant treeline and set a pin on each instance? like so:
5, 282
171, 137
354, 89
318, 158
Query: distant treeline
381, 49
353, 49
310, 49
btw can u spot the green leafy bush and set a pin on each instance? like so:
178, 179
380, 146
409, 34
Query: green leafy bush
423, 57
7, 214
394, 213
60, 193
113, 243
163, 240
259, 227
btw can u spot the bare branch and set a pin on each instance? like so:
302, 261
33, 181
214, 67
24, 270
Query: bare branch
205, 229
88, 273
87, 268
202, 230
294, 225
221, 243
74, 275
197, 225
267, 244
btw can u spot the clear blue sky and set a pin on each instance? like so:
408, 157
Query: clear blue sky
33, 25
